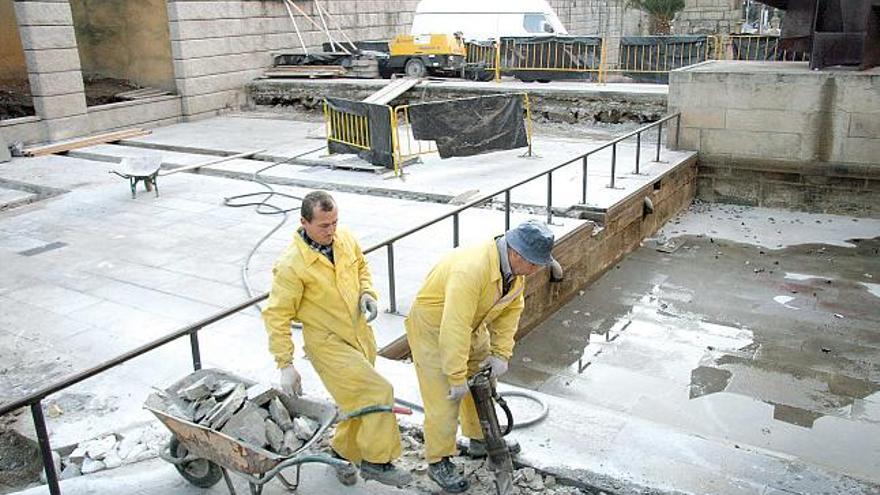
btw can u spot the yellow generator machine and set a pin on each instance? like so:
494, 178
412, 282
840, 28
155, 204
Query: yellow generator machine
422, 54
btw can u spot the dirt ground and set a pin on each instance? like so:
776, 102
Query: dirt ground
103, 90
15, 99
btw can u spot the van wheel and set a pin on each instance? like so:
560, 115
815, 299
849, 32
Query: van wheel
415, 68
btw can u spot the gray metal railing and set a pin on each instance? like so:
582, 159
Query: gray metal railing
34, 399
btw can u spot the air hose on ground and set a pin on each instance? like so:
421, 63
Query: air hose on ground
263, 207
541, 416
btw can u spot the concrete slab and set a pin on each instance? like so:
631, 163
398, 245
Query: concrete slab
432, 177
692, 340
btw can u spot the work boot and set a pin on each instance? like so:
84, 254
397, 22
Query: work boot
477, 448
446, 474
387, 474
346, 475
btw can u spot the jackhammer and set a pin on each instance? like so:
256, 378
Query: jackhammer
485, 396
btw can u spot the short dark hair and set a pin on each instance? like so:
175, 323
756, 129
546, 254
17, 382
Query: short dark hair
320, 199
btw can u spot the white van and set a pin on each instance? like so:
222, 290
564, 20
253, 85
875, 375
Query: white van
486, 19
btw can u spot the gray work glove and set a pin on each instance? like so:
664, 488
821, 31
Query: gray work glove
369, 306
456, 392
556, 274
498, 365
291, 382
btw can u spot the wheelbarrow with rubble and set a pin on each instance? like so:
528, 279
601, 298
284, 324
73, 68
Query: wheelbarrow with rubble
204, 456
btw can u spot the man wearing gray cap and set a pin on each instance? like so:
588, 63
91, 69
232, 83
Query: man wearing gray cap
465, 317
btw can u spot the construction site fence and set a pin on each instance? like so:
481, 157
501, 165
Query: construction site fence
347, 128
407, 148
641, 58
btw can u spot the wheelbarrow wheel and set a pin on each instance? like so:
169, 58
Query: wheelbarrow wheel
200, 472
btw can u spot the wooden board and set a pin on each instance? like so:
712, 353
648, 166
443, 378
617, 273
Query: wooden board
107, 137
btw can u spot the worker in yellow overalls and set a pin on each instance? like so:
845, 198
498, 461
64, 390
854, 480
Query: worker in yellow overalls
323, 281
465, 317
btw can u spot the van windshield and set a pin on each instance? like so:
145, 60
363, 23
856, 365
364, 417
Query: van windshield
536, 24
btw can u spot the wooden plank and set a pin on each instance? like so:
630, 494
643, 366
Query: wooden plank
391, 91
107, 137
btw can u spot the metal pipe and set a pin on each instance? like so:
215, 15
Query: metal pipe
584, 190
677, 130
549, 198
196, 353
45, 448
638, 151
613, 165
507, 210
392, 299
455, 230
659, 140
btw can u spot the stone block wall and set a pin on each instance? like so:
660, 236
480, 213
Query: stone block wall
709, 17
778, 134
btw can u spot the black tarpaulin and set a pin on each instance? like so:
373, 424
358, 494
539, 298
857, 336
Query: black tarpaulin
379, 121
471, 126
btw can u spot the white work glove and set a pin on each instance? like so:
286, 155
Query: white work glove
556, 273
369, 306
498, 365
456, 392
291, 382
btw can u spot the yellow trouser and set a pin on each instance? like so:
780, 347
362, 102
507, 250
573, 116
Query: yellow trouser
442, 415
349, 376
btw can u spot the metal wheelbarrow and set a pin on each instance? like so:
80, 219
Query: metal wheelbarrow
204, 456
140, 169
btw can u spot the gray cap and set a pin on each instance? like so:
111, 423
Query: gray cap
532, 240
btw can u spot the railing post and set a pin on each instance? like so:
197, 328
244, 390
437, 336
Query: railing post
584, 190
638, 150
455, 230
613, 164
507, 210
45, 448
677, 130
196, 353
549, 198
659, 140
392, 299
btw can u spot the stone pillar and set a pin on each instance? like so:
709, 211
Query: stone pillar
47, 36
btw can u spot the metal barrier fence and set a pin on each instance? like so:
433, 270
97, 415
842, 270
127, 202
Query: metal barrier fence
647, 56
756, 48
406, 147
347, 128
34, 400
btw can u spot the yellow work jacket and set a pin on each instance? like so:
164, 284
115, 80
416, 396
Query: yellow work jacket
324, 296
463, 295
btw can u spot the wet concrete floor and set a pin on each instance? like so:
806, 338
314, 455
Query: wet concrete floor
775, 350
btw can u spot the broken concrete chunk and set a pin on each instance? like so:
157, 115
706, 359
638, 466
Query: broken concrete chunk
97, 449
78, 454
91, 466
198, 390
260, 394
304, 428
206, 421
280, 414
228, 407
112, 459
72, 470
263, 412
203, 408
291, 442
246, 425
224, 388
275, 436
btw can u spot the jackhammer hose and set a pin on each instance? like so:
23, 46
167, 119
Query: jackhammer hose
541, 416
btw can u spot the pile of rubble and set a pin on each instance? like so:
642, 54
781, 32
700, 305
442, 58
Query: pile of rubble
255, 415
527, 481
